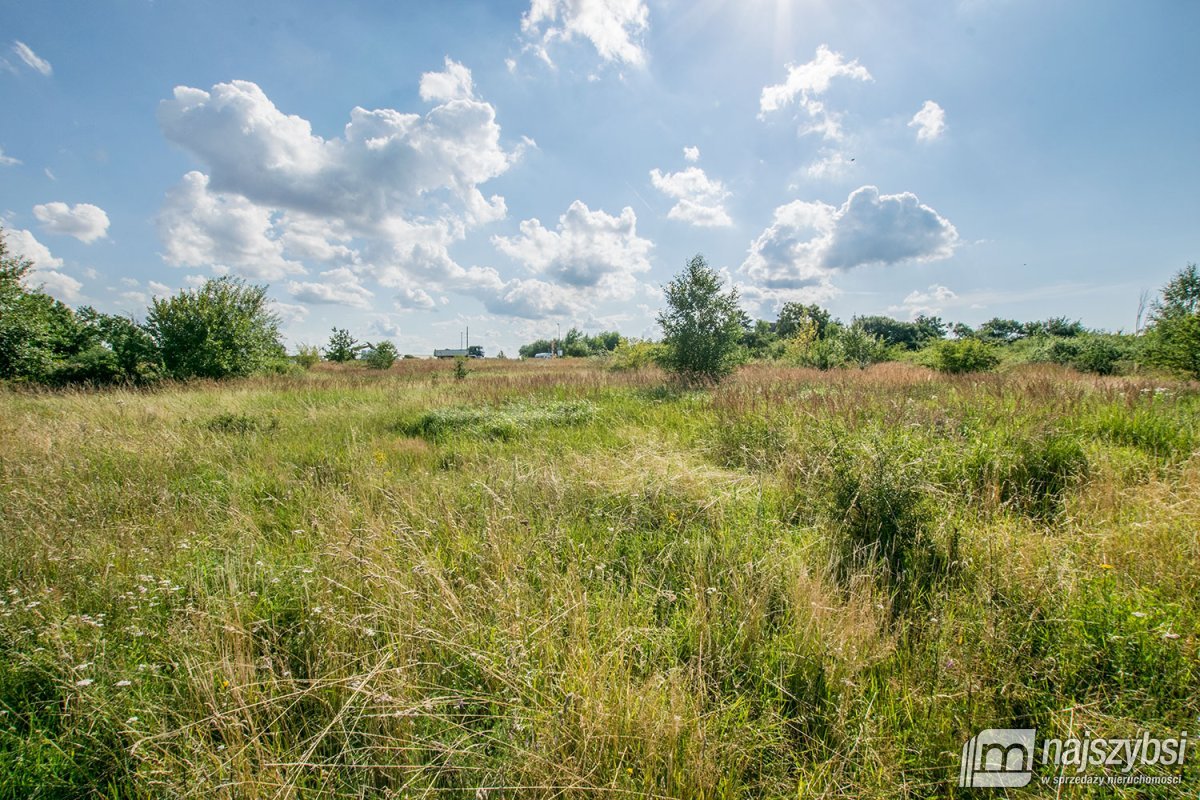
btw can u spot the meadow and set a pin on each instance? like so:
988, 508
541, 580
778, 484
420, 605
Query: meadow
555, 580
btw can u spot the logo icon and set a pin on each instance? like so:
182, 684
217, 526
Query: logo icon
998, 757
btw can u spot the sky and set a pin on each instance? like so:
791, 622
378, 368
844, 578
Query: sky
410, 170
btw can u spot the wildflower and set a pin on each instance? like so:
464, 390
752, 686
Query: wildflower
131, 720
123, 683
1139, 614
84, 682
1106, 566
1170, 636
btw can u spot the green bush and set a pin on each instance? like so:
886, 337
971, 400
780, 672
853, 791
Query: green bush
1027, 473
223, 329
308, 356
1098, 354
956, 356
381, 356
876, 493
635, 354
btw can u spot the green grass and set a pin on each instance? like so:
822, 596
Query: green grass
553, 580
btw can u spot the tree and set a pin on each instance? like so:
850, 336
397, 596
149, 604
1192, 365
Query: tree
381, 355
795, 317
533, 348
342, 346
115, 350
701, 326
1174, 338
223, 329
37, 332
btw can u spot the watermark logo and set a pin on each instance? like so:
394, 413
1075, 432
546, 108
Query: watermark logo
998, 757
1004, 758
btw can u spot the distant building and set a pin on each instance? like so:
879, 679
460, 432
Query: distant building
473, 351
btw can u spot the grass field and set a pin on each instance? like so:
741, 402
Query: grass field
553, 580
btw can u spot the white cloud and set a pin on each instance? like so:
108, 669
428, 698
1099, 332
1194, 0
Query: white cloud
159, 289
199, 228
805, 83
888, 229
288, 313
831, 165
453, 84
25, 245
46, 266
930, 301
32, 59
808, 243
614, 27
84, 221
700, 199
340, 286
386, 199
588, 250
8, 161
691, 154
930, 122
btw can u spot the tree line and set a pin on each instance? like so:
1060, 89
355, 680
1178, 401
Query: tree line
225, 328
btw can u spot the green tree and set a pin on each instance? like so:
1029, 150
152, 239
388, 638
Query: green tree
115, 349
37, 332
342, 347
702, 325
223, 329
1174, 336
381, 355
794, 317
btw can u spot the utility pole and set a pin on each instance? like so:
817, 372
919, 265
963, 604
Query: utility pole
557, 337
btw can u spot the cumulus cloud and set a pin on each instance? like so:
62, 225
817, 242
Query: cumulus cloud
691, 154
7, 161
614, 27
46, 266
84, 221
32, 59
930, 122
384, 200
699, 199
25, 245
929, 301
202, 228
453, 84
805, 83
340, 286
288, 313
809, 242
588, 249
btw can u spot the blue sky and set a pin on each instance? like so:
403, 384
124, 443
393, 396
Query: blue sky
410, 169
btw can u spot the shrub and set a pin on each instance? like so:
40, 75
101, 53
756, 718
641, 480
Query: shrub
381, 356
1098, 354
221, 330
308, 356
1029, 474
956, 356
876, 494
702, 326
634, 354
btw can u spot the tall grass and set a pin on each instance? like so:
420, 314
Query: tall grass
556, 580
